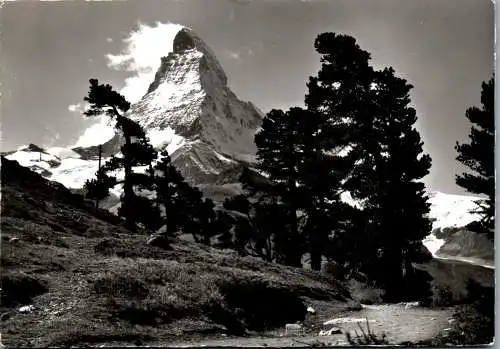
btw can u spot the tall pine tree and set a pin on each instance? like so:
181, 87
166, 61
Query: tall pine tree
278, 158
368, 113
136, 151
337, 98
396, 200
478, 156
168, 180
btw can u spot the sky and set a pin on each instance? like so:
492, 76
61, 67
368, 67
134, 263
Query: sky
49, 50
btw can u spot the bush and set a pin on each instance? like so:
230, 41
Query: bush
442, 296
19, 288
365, 293
260, 305
474, 322
366, 337
134, 312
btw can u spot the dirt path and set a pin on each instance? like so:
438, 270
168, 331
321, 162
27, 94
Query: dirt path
399, 323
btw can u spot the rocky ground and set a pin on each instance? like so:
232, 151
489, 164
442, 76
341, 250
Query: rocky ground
400, 324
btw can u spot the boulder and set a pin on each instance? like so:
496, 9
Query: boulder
158, 241
297, 327
330, 332
26, 308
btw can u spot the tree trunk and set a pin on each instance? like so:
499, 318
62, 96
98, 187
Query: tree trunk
98, 174
315, 256
295, 254
128, 190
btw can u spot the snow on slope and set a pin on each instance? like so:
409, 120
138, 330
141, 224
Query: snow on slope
39, 162
63, 153
448, 210
451, 210
73, 173
165, 139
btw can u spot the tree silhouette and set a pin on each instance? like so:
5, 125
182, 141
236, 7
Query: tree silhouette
136, 151
279, 159
395, 197
336, 101
478, 156
365, 115
168, 179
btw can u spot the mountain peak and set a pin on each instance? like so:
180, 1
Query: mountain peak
189, 101
188, 47
183, 41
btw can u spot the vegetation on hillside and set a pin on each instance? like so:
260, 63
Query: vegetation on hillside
93, 281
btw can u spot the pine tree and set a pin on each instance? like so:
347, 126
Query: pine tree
242, 224
336, 99
198, 215
135, 152
278, 158
478, 156
168, 180
396, 201
367, 115
98, 188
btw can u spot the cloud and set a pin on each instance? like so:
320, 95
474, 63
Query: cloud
234, 54
141, 55
98, 133
78, 107
109, 39
240, 53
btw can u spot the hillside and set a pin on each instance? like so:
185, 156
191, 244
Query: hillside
74, 276
90, 281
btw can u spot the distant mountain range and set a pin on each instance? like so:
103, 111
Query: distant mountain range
190, 111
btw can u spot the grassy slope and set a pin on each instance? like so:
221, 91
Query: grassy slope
92, 282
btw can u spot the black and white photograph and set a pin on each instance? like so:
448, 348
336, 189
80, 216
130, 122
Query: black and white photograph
247, 173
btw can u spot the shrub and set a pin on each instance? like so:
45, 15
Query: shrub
474, 322
442, 296
365, 293
19, 288
366, 337
260, 305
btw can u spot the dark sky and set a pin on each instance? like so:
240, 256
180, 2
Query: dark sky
444, 48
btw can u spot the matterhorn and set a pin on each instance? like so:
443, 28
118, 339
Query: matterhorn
189, 110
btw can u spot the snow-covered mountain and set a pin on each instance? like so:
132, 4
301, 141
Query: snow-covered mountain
450, 239
189, 110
